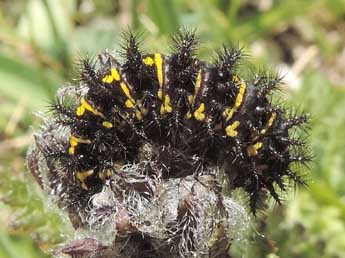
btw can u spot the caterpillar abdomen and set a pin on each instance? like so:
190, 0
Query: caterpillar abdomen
177, 116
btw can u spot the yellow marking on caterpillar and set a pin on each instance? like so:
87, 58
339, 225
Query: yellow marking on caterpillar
105, 174
101, 175
107, 124
109, 172
253, 150
189, 115
82, 176
159, 66
160, 94
228, 113
235, 78
74, 141
108, 79
166, 106
231, 129
191, 99
148, 61
118, 164
199, 114
269, 123
125, 90
162, 110
129, 103
158, 61
144, 111
115, 75
197, 83
71, 150
138, 114
84, 105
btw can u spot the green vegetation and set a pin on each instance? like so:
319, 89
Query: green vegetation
41, 39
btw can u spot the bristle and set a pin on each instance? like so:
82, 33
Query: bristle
304, 159
63, 114
294, 141
131, 52
296, 120
273, 193
87, 70
228, 56
268, 82
227, 59
184, 45
296, 178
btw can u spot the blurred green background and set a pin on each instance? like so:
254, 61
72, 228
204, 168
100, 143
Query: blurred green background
40, 40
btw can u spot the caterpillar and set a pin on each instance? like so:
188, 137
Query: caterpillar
178, 115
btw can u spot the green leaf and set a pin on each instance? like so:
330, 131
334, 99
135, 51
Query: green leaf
20, 81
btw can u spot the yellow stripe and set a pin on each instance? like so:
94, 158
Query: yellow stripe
105, 174
115, 74
126, 91
160, 94
158, 61
74, 141
162, 110
71, 150
129, 103
148, 61
253, 149
84, 105
166, 106
188, 115
82, 176
108, 79
235, 78
80, 111
228, 113
159, 67
101, 175
138, 114
199, 114
231, 129
269, 123
107, 124
109, 172
142, 110
196, 87
190, 99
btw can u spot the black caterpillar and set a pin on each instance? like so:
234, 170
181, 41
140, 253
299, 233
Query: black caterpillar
178, 116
